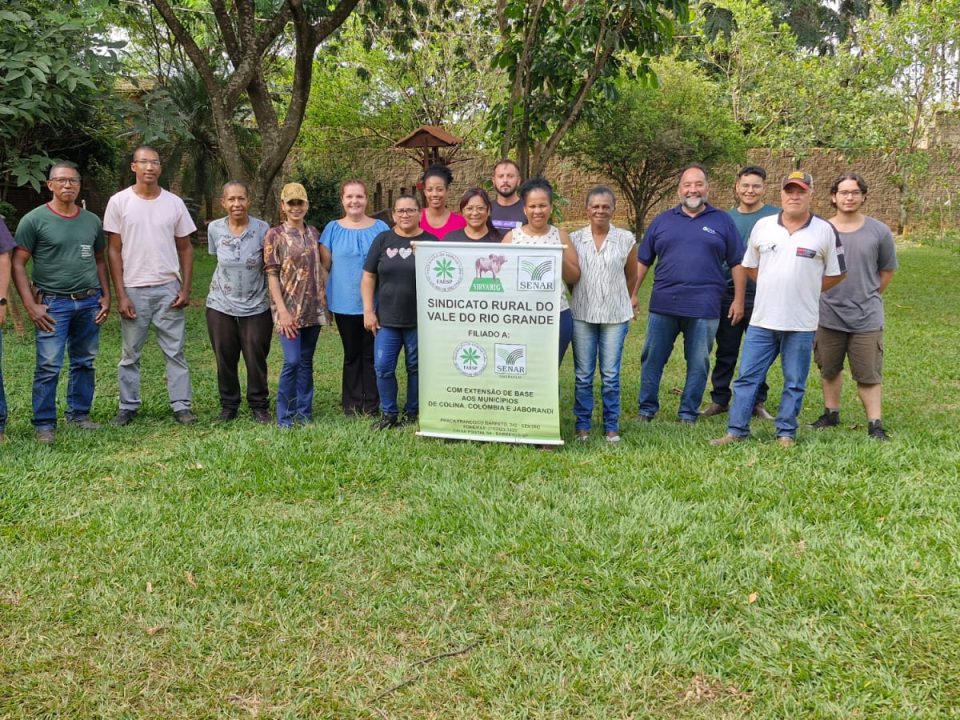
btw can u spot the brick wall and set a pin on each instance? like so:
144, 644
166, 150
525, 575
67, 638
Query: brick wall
938, 200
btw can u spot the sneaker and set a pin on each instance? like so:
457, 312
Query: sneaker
714, 409
46, 436
84, 422
385, 422
583, 435
226, 415
830, 418
613, 438
786, 441
262, 416
644, 418
124, 417
876, 431
184, 417
688, 422
759, 411
727, 439
409, 419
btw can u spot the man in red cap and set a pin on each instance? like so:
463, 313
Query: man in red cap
792, 257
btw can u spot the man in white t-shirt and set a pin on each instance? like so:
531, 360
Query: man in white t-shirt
151, 261
792, 257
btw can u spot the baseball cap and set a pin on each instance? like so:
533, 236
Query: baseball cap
798, 177
293, 191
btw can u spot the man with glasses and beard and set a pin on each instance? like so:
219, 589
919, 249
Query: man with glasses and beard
692, 244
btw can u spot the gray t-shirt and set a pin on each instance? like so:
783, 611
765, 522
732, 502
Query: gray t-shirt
507, 217
238, 286
855, 305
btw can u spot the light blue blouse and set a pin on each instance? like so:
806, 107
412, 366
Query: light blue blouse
348, 249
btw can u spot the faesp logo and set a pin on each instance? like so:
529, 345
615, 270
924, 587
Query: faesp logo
537, 273
510, 359
470, 359
444, 271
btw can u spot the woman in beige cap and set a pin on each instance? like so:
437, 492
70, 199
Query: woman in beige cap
296, 265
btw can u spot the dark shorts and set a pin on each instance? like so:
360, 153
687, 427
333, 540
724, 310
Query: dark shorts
865, 351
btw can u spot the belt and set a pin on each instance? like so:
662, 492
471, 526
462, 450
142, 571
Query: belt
82, 295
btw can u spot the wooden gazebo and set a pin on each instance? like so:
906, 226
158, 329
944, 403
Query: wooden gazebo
426, 142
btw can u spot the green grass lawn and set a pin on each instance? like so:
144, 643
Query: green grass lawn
159, 571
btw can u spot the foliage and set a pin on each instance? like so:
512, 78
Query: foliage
369, 90
563, 57
254, 37
233, 570
642, 139
55, 70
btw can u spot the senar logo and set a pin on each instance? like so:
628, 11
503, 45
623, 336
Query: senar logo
510, 359
537, 273
445, 271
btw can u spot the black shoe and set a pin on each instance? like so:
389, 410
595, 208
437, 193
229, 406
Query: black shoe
184, 417
644, 418
830, 418
385, 422
124, 417
410, 419
876, 431
262, 416
226, 415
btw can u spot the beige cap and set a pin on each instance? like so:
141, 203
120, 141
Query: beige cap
293, 191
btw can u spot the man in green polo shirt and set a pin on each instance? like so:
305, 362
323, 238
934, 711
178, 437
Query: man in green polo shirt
68, 300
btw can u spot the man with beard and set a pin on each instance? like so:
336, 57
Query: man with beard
691, 244
507, 212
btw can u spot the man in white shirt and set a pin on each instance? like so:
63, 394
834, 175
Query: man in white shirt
151, 261
792, 257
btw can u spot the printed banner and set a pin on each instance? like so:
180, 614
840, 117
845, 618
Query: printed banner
488, 336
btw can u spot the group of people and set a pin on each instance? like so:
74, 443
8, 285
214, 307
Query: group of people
756, 271
785, 282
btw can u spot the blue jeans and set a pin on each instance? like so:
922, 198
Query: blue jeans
760, 349
3, 396
589, 340
76, 332
386, 353
295, 386
662, 331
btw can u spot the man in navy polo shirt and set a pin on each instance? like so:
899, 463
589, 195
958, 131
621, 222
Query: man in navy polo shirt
690, 244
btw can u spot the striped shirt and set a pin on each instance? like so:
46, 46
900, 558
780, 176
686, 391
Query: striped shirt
602, 295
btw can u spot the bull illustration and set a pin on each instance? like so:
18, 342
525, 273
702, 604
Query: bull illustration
490, 264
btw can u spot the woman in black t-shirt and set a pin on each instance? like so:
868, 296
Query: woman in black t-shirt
389, 292
475, 207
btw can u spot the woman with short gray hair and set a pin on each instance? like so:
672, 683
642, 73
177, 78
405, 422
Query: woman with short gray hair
602, 311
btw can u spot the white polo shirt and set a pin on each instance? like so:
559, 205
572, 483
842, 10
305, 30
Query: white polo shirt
790, 270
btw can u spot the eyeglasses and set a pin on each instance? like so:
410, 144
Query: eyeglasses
149, 163
849, 193
65, 180
404, 211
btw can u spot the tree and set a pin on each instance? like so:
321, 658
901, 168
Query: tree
248, 33
644, 138
53, 71
368, 92
561, 55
